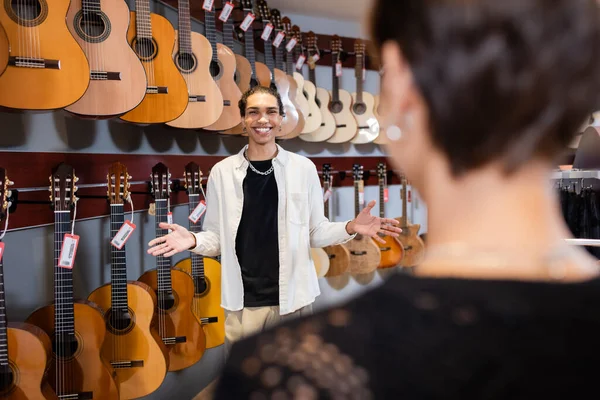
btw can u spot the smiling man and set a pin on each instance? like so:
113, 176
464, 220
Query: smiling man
264, 213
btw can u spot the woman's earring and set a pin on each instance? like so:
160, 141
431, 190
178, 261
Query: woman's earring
394, 132
279, 128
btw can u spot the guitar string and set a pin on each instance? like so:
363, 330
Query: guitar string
148, 42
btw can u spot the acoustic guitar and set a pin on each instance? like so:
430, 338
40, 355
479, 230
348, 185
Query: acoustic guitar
77, 328
117, 77
341, 101
205, 271
179, 329
313, 118
392, 250
25, 349
152, 37
243, 69
132, 346
300, 100
46, 69
365, 255
194, 56
363, 102
222, 69
381, 138
322, 96
3, 50
280, 81
338, 254
414, 247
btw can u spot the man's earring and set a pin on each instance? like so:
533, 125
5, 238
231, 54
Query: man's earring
244, 128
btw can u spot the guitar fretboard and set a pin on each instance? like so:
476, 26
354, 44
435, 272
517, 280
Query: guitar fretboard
90, 6
335, 92
63, 278
3, 326
356, 198
143, 26
197, 259
359, 75
279, 64
249, 45
404, 219
271, 64
163, 264
118, 261
211, 31
184, 34
381, 197
228, 34
325, 188
312, 76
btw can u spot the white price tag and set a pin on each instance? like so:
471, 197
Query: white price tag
338, 69
291, 44
208, 5
278, 39
123, 235
386, 195
315, 57
226, 12
300, 61
247, 22
1, 250
364, 73
326, 195
68, 251
170, 219
267, 32
361, 192
198, 212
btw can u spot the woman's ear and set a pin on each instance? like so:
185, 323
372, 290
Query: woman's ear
396, 81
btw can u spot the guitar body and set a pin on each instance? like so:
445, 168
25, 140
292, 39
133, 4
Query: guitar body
327, 128
345, 124
339, 259
29, 352
208, 303
85, 370
137, 340
290, 121
365, 255
198, 114
243, 73
313, 116
392, 252
414, 248
230, 115
321, 260
104, 42
263, 74
381, 138
67, 73
176, 319
161, 72
368, 126
293, 99
300, 99
4, 50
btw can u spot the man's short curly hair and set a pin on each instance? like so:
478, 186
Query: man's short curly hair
504, 80
259, 89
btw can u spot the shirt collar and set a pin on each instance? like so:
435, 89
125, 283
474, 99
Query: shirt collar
281, 157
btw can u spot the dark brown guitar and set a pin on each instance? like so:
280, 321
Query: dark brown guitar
414, 248
392, 251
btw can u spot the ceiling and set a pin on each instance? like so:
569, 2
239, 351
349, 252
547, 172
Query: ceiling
353, 10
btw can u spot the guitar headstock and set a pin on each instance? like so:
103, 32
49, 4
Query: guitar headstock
264, 12
118, 183
247, 5
359, 48
161, 183
357, 172
381, 170
4, 192
276, 19
286, 24
298, 35
62, 187
193, 178
336, 44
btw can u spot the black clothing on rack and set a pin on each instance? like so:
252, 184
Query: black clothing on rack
581, 211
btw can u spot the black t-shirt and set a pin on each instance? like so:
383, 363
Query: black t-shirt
256, 244
425, 338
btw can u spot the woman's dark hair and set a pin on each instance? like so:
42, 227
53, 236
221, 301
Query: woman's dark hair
504, 80
259, 89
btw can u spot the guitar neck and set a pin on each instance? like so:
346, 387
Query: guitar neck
228, 34
197, 259
404, 219
289, 59
335, 92
90, 6
249, 46
63, 278
312, 76
3, 326
185, 27
359, 79
381, 197
143, 26
211, 32
163, 264
326, 187
271, 64
356, 198
118, 261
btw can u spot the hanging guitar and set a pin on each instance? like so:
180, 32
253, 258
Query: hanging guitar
179, 329
363, 102
77, 328
392, 250
132, 346
4, 50
313, 118
25, 349
414, 247
243, 69
381, 138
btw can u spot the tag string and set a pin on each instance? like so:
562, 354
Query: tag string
5, 222
202, 190
73, 221
131, 204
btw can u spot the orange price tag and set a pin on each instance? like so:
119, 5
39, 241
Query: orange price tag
278, 39
198, 212
123, 235
385, 195
361, 192
247, 22
1, 250
338, 69
300, 61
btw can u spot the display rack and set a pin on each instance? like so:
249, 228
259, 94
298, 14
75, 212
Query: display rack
576, 174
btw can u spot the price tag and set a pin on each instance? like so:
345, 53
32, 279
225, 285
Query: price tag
68, 251
123, 235
300, 61
385, 195
208, 5
247, 22
226, 12
267, 32
198, 212
291, 44
1, 250
326, 195
278, 39
338, 69
315, 57
364, 74
361, 192
170, 219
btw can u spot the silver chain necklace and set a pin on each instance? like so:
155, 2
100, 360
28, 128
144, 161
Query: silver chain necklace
267, 172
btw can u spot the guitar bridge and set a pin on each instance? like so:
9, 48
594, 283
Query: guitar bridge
197, 99
385, 248
105, 76
127, 364
226, 103
209, 320
358, 253
157, 90
77, 396
341, 126
331, 256
174, 340
30, 62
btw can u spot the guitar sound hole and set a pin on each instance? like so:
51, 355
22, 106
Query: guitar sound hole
215, 69
200, 285
253, 82
7, 378
318, 102
359, 108
166, 301
64, 345
26, 10
145, 48
186, 62
92, 24
336, 107
118, 320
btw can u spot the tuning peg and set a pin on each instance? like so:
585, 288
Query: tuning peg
129, 176
75, 189
10, 183
75, 179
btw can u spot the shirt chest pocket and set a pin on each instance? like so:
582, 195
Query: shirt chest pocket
298, 208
